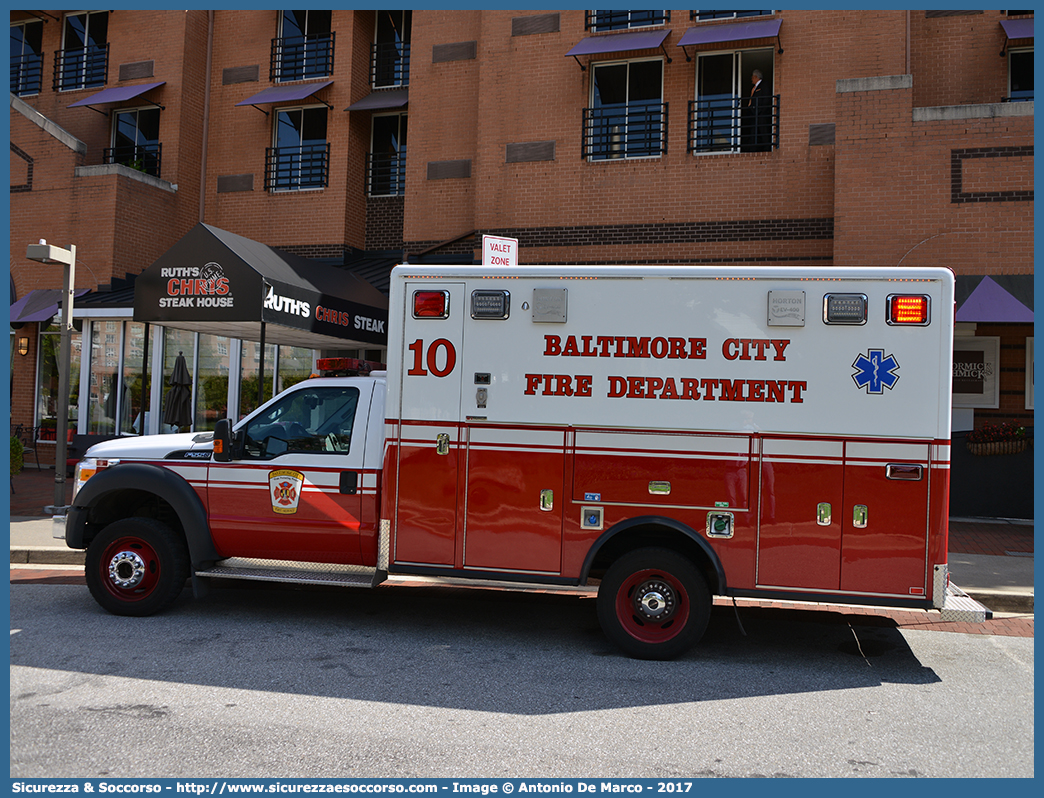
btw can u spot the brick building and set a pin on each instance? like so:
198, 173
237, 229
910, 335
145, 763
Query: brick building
883, 137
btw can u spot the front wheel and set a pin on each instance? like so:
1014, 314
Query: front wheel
136, 566
653, 604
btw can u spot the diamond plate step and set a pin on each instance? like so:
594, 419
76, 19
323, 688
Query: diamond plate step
959, 607
301, 573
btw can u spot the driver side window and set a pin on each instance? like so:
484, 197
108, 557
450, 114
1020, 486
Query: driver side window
310, 421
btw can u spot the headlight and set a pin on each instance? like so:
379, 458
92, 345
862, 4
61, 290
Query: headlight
87, 468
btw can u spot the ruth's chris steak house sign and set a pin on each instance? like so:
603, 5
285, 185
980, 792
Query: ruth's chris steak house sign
214, 277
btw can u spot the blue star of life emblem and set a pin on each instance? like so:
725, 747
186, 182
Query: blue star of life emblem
875, 372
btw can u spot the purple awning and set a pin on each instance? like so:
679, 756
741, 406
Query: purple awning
39, 304
619, 42
117, 94
731, 32
284, 94
991, 302
378, 100
1018, 28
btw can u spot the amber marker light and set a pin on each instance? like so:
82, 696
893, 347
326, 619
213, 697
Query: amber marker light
908, 309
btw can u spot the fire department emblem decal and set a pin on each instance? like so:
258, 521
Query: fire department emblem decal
875, 371
284, 486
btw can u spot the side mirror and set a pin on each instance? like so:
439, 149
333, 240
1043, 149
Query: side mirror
223, 441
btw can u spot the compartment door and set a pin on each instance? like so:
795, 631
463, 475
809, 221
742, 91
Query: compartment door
515, 497
430, 454
884, 548
799, 536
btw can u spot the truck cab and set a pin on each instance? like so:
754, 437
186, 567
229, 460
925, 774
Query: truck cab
294, 482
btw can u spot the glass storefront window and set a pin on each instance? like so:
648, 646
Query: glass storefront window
115, 361
212, 382
47, 381
103, 396
295, 364
133, 354
175, 342
249, 364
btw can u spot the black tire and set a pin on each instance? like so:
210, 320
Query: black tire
136, 566
653, 604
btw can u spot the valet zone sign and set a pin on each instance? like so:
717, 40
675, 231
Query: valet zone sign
497, 251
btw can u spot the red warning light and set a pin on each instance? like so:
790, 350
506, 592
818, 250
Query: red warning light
430, 304
908, 309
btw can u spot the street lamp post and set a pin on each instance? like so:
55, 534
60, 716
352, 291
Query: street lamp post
50, 254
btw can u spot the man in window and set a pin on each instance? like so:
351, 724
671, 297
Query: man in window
756, 119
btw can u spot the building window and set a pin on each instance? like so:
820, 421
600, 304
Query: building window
26, 57
701, 16
725, 116
211, 403
103, 401
304, 47
300, 156
250, 360
130, 392
293, 365
386, 161
83, 61
135, 140
623, 20
1020, 75
627, 117
47, 381
390, 58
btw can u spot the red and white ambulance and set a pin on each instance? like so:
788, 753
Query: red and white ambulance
675, 433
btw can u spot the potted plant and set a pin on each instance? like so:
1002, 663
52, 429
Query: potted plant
48, 429
1003, 438
17, 451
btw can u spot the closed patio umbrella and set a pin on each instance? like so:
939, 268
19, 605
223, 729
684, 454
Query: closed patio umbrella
177, 408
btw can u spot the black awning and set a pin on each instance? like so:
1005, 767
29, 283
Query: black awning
219, 283
382, 100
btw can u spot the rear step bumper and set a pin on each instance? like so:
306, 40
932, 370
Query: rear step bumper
956, 605
959, 607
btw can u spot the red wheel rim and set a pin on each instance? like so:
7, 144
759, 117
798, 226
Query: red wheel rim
652, 606
130, 569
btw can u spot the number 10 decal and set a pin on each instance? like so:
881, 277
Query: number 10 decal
432, 358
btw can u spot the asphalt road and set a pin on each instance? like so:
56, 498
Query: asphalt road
421, 682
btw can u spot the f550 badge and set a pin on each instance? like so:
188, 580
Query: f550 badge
285, 488
875, 371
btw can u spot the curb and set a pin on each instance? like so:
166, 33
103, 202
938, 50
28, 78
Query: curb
47, 555
1003, 601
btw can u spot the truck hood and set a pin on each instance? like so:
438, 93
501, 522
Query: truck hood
151, 447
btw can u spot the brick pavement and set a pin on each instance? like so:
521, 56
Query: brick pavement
986, 536
34, 490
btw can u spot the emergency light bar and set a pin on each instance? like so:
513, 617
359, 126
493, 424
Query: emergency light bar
911, 309
346, 366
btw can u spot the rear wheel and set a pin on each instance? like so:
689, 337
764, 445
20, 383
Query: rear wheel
136, 566
653, 604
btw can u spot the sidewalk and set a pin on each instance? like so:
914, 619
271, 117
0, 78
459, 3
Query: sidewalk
990, 559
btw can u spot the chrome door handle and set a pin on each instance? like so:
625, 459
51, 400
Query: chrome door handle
547, 500
823, 513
